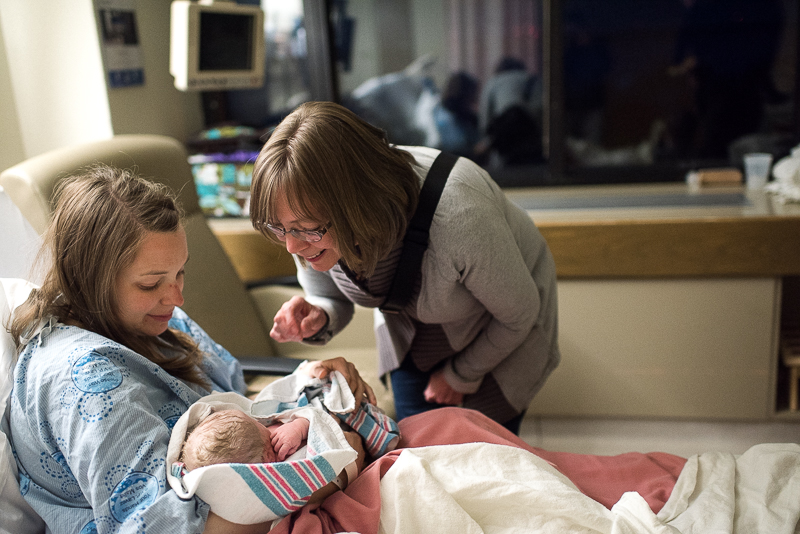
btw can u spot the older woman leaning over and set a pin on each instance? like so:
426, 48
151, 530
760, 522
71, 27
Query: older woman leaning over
108, 362
479, 327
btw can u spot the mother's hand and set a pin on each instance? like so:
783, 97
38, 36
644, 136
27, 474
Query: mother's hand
322, 368
357, 444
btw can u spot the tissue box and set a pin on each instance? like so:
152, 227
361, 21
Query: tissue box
715, 177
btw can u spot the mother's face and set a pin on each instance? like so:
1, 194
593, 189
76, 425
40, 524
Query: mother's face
150, 287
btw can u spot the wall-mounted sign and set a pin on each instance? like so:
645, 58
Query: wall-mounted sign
119, 35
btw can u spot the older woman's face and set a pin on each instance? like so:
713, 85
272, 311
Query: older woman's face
152, 285
323, 254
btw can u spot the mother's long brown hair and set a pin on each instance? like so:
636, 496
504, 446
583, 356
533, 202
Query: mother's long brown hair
100, 218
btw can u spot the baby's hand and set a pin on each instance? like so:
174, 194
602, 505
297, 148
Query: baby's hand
287, 438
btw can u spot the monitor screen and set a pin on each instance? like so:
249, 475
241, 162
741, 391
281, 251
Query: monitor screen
216, 46
225, 41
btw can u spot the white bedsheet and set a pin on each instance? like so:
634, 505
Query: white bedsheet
758, 491
484, 488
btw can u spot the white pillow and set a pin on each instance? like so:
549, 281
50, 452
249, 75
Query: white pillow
17, 517
19, 242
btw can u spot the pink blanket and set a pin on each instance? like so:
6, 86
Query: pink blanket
603, 478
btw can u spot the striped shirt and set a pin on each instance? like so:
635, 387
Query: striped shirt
430, 346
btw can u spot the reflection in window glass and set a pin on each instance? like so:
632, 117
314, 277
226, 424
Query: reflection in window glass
677, 84
287, 53
461, 76
635, 90
286, 73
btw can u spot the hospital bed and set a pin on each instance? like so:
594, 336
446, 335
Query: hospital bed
458, 472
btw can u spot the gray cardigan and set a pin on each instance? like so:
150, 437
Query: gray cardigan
487, 277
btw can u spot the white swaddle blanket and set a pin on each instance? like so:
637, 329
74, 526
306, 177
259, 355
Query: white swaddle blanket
256, 493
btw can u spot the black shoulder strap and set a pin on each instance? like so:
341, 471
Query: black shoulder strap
416, 239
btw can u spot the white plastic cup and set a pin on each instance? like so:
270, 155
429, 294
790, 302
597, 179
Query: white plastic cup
756, 169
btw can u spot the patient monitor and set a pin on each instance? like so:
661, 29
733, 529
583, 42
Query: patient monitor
216, 45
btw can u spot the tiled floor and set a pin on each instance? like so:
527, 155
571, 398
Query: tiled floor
683, 438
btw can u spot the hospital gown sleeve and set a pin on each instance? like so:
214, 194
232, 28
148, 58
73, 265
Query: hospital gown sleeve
103, 444
91, 423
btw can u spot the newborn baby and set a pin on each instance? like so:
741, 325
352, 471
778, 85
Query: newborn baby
269, 470
232, 436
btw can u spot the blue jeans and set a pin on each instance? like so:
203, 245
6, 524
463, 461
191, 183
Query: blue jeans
408, 388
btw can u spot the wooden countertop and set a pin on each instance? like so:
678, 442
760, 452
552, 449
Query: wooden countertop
647, 231
759, 237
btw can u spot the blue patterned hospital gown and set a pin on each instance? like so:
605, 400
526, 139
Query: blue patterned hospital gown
90, 425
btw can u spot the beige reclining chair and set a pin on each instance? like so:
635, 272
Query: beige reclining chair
237, 318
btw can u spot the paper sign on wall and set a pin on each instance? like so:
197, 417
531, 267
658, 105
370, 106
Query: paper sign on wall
119, 35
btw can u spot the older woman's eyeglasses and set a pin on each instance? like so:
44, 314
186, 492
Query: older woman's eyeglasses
310, 236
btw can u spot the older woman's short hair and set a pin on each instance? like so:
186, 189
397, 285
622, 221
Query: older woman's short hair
330, 165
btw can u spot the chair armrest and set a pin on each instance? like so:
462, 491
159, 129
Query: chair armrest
273, 365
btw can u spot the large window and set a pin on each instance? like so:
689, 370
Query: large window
574, 91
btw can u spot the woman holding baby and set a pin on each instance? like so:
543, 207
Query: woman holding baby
108, 362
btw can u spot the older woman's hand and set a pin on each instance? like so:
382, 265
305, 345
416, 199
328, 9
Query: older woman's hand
360, 389
440, 392
296, 320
